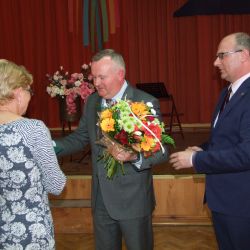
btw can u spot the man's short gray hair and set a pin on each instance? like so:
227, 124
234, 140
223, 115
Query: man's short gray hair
242, 40
115, 57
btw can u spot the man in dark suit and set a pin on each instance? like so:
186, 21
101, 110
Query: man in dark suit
122, 206
225, 158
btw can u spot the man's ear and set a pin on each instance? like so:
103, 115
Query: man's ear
245, 55
121, 74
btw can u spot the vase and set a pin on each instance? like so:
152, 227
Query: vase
64, 115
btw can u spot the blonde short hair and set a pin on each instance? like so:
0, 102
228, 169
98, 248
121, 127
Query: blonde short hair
12, 77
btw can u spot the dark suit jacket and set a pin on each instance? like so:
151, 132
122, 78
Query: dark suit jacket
126, 196
226, 159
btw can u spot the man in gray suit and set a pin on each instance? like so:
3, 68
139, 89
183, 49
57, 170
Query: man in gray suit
122, 206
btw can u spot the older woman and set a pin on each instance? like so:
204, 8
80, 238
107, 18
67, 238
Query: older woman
28, 167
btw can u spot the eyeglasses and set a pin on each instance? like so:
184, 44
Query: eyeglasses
31, 91
222, 54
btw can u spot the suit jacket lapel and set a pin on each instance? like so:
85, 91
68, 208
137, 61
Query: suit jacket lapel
128, 93
233, 101
217, 108
97, 111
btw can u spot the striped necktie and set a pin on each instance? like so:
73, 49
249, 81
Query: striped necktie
109, 102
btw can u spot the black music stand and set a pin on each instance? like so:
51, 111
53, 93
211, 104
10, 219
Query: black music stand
158, 90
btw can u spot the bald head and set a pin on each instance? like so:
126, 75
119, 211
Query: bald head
233, 56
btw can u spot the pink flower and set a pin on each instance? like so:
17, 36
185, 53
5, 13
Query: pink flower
69, 86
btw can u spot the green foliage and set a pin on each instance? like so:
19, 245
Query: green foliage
111, 165
166, 139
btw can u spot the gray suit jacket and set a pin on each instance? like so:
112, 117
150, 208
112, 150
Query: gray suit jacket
126, 196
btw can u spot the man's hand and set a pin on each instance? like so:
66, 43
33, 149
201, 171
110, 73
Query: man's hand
121, 154
181, 159
194, 148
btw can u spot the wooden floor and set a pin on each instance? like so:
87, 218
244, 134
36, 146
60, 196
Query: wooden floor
165, 237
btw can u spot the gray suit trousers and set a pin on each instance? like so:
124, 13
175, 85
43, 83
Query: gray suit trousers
137, 233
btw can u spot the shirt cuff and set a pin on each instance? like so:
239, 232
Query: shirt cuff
192, 158
53, 143
137, 162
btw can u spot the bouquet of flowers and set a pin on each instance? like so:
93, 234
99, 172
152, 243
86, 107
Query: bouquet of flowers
131, 126
69, 86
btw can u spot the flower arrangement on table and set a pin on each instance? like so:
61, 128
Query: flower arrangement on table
69, 86
131, 126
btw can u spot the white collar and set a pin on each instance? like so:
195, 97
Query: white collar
118, 96
235, 85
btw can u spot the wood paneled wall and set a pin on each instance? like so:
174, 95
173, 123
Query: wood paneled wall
179, 201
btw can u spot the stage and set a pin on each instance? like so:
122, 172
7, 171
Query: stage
77, 165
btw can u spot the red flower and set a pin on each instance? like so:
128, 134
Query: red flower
155, 128
122, 137
150, 118
156, 148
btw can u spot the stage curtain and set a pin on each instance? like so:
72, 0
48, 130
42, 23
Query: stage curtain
44, 34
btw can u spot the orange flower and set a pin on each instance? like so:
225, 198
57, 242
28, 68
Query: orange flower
147, 143
106, 114
107, 125
139, 109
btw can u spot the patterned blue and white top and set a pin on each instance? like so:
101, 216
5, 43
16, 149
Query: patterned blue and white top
29, 170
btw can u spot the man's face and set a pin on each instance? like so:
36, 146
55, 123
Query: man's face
228, 59
107, 76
